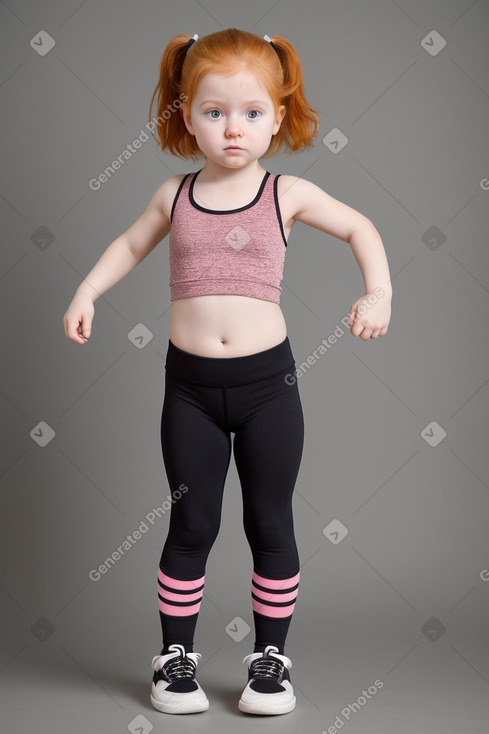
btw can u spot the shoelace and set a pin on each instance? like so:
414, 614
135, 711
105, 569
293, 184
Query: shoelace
180, 667
266, 668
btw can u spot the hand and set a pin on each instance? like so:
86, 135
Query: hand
370, 315
78, 319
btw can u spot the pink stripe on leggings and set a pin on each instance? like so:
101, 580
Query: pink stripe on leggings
181, 597
272, 611
273, 596
178, 611
276, 583
178, 583
274, 586
177, 595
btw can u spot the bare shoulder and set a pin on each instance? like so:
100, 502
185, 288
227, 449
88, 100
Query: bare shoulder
292, 190
165, 194
308, 203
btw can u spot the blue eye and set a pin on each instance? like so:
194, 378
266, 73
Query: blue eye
255, 113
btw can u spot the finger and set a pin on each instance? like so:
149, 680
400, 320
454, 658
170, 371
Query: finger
72, 332
84, 329
357, 329
364, 332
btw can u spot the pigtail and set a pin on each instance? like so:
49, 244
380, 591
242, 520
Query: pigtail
171, 131
301, 122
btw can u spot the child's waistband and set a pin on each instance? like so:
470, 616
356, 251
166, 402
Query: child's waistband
229, 371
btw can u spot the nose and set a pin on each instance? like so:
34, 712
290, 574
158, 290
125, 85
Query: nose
233, 129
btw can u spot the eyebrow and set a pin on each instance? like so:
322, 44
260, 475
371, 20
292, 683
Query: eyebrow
216, 101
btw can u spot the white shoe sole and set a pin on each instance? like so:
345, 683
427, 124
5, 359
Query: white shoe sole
178, 706
265, 707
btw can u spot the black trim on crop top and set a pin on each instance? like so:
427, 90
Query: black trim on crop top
225, 211
232, 211
177, 195
277, 207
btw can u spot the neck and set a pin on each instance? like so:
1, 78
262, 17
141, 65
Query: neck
213, 172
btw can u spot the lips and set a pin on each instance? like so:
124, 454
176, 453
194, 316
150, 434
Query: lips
233, 147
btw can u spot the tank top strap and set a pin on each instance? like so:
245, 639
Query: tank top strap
263, 197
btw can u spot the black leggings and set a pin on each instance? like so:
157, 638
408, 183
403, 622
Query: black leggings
206, 399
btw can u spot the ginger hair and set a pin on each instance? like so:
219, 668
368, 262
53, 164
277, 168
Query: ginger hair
227, 52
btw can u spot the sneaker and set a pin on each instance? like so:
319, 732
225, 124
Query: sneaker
269, 690
174, 689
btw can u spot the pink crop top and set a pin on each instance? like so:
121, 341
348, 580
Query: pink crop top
235, 251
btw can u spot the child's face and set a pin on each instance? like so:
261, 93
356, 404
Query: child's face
233, 110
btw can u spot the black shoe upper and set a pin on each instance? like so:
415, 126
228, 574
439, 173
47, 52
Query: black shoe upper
268, 673
179, 672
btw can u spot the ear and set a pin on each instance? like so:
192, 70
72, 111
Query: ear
185, 110
278, 119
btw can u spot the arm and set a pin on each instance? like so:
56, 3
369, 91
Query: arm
316, 208
125, 252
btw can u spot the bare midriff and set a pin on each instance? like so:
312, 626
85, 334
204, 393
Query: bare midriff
226, 325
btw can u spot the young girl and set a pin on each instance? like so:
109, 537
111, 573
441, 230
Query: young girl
234, 98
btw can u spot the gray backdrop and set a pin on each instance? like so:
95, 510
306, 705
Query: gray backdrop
390, 631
